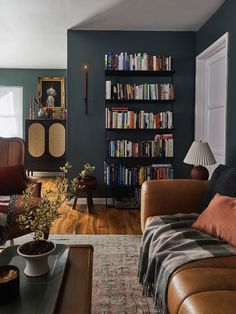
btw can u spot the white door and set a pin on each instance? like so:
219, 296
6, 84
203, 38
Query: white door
211, 99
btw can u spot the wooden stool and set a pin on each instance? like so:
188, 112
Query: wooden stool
89, 184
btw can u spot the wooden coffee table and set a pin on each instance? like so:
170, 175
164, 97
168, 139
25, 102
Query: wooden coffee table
75, 296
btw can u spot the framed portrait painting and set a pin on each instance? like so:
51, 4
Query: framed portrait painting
51, 92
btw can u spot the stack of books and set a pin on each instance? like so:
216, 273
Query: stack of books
117, 174
123, 118
145, 91
124, 61
162, 146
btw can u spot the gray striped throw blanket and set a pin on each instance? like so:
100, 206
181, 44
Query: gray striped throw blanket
168, 242
7, 209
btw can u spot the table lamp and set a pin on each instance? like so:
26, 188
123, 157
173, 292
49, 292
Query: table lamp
199, 155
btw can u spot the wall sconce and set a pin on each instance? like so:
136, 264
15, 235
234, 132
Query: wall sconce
86, 88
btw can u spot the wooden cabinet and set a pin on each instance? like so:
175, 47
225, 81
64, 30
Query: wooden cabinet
45, 144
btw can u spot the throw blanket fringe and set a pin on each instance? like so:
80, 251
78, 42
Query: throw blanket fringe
168, 242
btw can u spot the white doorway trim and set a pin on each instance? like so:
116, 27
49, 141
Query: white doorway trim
201, 85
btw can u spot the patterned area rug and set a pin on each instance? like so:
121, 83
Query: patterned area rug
115, 284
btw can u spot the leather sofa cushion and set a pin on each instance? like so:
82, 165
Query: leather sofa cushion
219, 218
223, 181
12, 180
203, 287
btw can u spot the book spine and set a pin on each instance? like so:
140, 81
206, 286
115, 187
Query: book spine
108, 89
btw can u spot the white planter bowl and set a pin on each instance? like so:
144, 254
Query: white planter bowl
36, 265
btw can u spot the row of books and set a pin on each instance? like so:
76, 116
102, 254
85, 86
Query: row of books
137, 62
122, 118
145, 91
117, 174
162, 147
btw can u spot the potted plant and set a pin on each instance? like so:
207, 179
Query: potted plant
40, 219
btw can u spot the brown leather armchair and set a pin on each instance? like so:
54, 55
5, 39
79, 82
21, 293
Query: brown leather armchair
12, 153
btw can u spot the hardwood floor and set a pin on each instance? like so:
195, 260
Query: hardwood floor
101, 221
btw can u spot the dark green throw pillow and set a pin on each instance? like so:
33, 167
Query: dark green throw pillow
220, 182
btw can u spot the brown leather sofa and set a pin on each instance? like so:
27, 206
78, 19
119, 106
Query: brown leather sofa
201, 287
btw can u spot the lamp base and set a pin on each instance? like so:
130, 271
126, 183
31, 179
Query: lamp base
199, 173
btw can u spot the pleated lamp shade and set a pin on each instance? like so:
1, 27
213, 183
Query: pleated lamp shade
200, 154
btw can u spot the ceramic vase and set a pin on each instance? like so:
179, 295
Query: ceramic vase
36, 265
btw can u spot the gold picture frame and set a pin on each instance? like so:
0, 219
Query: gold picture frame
51, 91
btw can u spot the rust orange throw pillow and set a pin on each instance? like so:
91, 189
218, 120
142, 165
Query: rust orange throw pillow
12, 180
219, 218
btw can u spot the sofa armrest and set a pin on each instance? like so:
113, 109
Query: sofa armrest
163, 197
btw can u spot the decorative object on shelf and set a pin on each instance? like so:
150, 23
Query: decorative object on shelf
85, 68
45, 113
9, 283
40, 220
48, 112
51, 92
41, 114
57, 115
199, 155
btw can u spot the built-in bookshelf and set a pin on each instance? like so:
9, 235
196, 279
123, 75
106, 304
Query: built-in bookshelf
139, 124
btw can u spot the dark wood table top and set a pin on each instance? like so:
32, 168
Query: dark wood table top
75, 296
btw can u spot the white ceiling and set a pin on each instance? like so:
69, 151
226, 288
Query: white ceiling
33, 33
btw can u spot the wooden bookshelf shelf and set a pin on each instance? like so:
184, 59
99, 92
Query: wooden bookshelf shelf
114, 186
137, 101
158, 131
138, 73
159, 159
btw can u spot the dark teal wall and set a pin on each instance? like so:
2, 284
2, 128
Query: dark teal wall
28, 78
221, 22
86, 133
